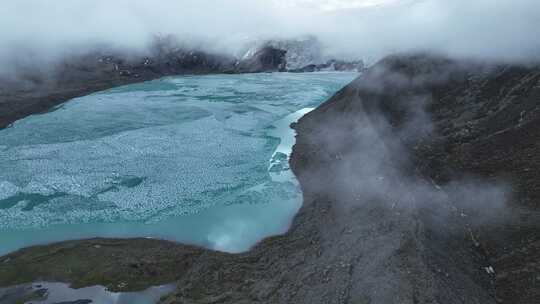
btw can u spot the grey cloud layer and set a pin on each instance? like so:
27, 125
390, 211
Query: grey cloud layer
503, 29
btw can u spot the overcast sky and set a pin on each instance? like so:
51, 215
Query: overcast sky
489, 29
332, 5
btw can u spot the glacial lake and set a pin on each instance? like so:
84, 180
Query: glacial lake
197, 159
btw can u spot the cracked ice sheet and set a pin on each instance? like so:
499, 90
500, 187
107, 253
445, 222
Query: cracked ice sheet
182, 158
174, 172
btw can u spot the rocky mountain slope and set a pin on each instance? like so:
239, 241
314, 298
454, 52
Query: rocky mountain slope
420, 186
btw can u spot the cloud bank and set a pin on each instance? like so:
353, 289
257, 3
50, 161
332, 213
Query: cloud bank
359, 29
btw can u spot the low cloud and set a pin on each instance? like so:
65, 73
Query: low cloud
42, 31
368, 135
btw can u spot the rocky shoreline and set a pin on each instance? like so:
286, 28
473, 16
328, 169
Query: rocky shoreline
389, 215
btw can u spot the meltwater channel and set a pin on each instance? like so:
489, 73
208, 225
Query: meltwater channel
197, 159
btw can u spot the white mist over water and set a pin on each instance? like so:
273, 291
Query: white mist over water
181, 158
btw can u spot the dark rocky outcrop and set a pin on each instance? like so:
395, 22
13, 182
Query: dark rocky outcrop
404, 174
266, 59
332, 65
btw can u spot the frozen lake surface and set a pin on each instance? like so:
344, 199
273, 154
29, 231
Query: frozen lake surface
197, 159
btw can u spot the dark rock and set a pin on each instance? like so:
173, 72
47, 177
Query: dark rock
267, 59
301, 52
308, 69
76, 302
332, 65
471, 125
349, 66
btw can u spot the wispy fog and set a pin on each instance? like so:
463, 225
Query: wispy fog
368, 134
363, 29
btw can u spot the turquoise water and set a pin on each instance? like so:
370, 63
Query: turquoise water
196, 159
